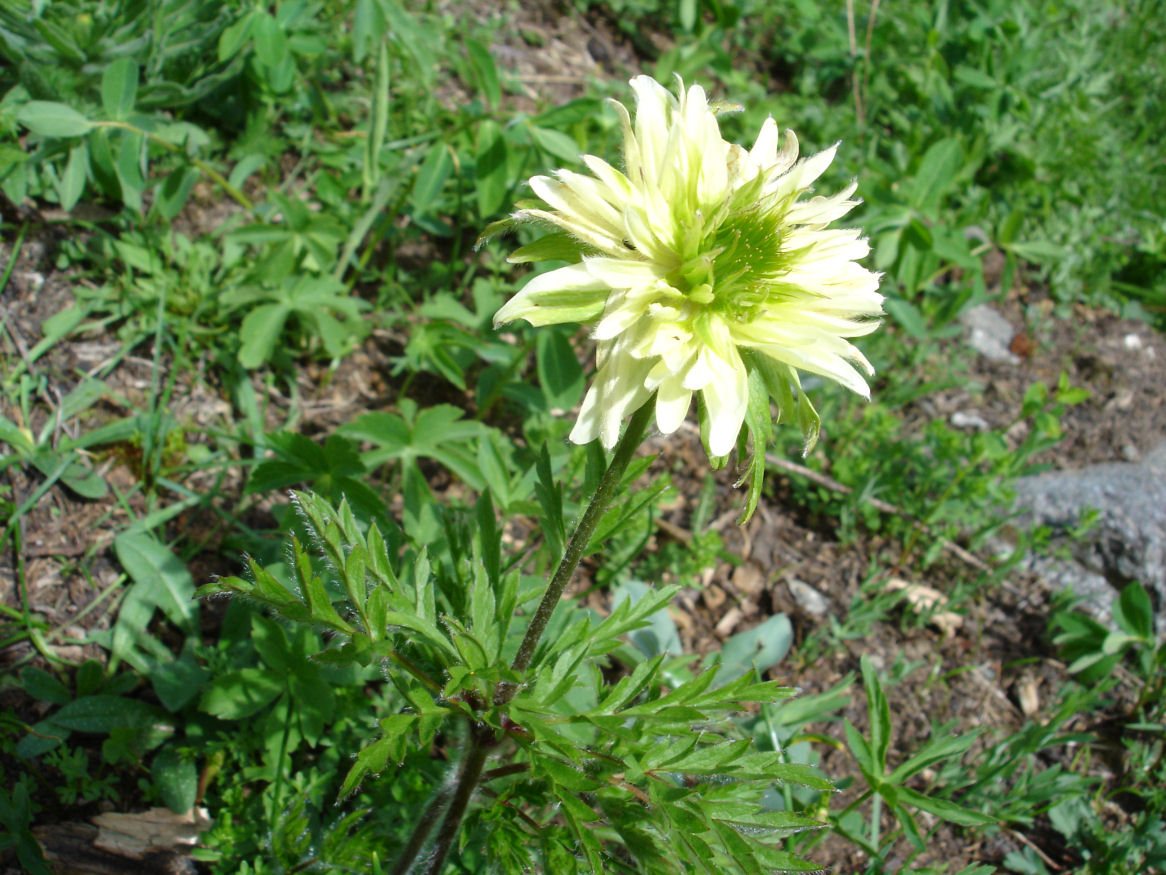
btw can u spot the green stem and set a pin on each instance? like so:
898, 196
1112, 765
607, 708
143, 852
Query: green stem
480, 742
577, 546
421, 832
481, 738
231, 191
277, 792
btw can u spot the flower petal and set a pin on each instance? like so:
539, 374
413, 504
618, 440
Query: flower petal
569, 294
726, 399
672, 403
618, 391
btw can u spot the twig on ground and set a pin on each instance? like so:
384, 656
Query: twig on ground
877, 503
1048, 860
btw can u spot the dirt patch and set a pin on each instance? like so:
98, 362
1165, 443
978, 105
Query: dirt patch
1119, 361
552, 55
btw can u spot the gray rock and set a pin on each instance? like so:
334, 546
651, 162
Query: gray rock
1128, 540
989, 333
808, 599
1095, 592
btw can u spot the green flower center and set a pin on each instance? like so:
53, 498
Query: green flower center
730, 262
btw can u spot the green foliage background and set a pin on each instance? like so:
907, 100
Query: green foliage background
275, 186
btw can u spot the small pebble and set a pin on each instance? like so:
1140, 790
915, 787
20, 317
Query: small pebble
969, 420
808, 599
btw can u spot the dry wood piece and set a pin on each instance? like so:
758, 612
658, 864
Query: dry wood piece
729, 621
714, 597
125, 843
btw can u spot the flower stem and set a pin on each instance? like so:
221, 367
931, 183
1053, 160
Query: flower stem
577, 546
478, 744
481, 738
421, 833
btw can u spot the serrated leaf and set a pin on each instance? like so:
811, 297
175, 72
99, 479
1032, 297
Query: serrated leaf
674, 700
567, 776
628, 614
785, 822
736, 847
259, 332
708, 759
372, 760
630, 686
586, 837
429, 632
792, 773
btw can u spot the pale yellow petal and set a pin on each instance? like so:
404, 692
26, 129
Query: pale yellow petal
554, 297
726, 401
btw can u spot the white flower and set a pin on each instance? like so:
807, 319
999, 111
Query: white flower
703, 272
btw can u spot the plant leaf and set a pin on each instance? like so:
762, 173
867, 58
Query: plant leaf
50, 119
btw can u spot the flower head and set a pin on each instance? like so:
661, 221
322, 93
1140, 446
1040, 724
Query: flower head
704, 272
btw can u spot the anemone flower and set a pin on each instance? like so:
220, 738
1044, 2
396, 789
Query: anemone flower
702, 268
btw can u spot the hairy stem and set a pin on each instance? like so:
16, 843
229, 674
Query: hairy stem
577, 546
421, 833
481, 738
478, 746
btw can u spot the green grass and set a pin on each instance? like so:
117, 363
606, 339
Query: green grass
287, 189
